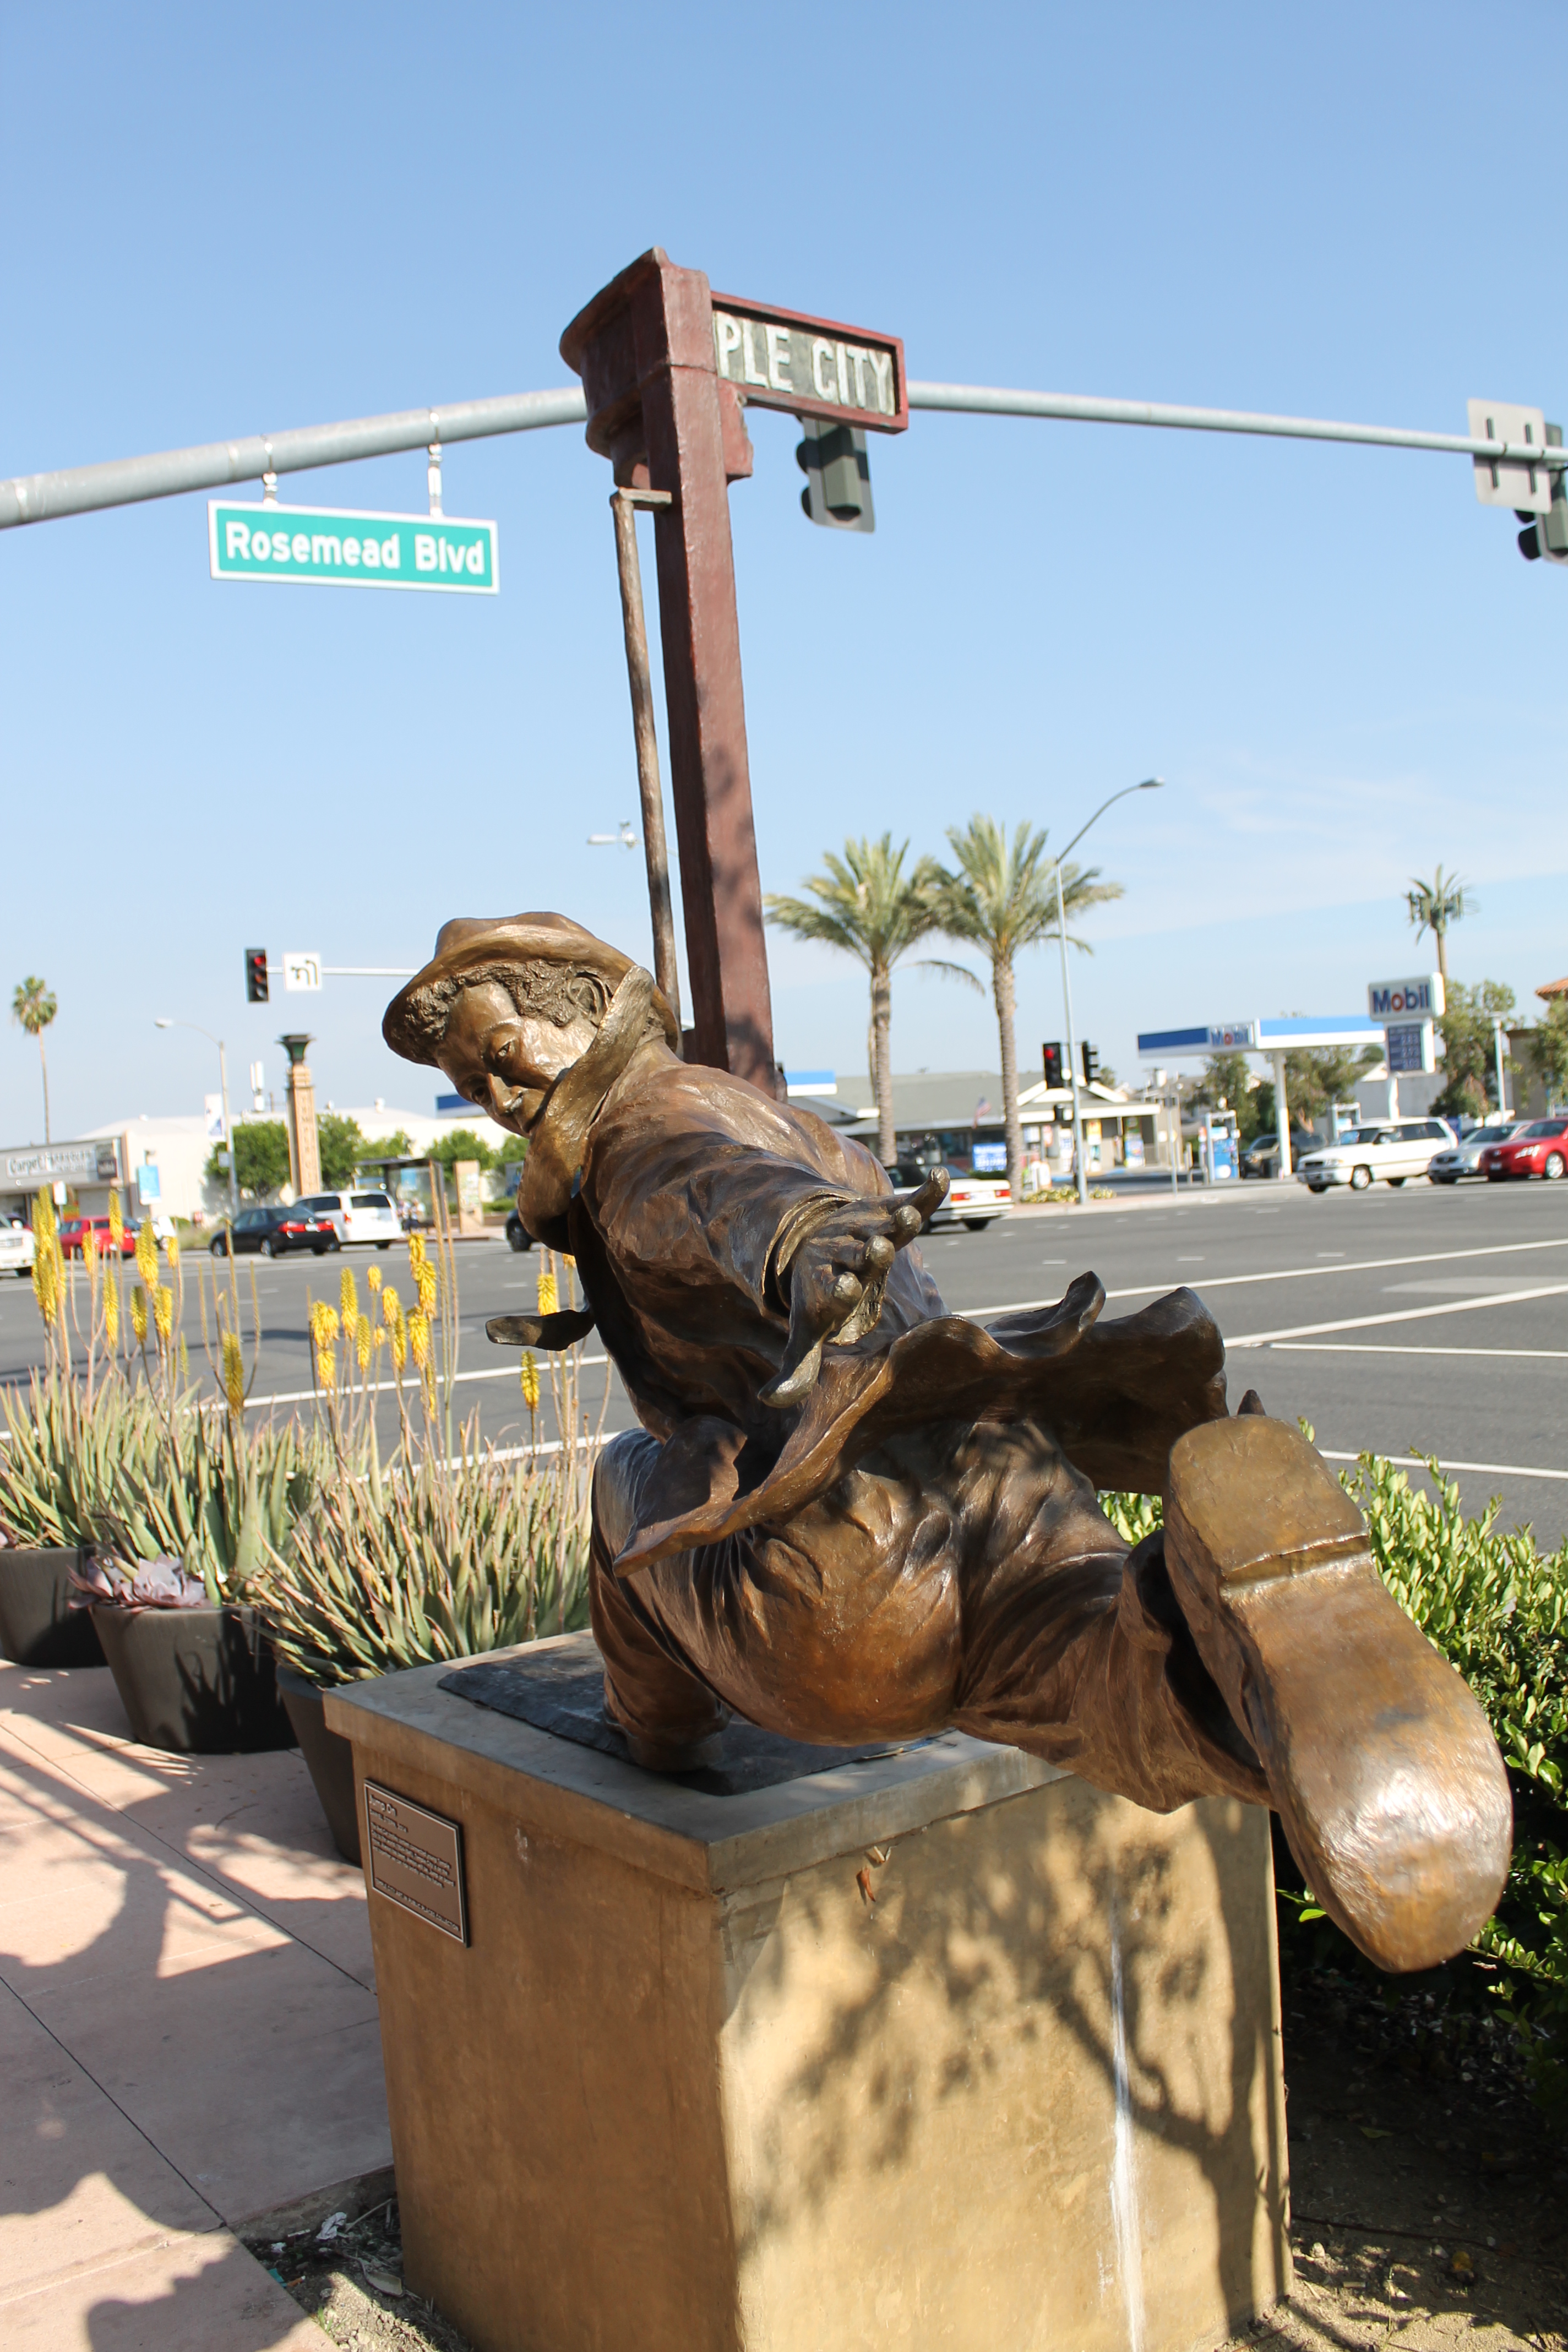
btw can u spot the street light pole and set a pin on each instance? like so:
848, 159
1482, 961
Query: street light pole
163, 1023
1149, 784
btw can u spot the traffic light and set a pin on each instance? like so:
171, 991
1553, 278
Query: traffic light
1091, 1064
1546, 536
837, 476
1053, 1065
255, 975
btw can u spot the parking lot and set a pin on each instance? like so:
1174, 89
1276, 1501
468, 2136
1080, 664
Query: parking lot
1427, 1319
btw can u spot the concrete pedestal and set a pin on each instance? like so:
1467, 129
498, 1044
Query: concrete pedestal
943, 2050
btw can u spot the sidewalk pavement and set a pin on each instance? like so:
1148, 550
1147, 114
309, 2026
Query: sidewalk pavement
188, 2030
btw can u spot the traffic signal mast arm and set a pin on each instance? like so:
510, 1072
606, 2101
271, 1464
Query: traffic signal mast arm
169, 473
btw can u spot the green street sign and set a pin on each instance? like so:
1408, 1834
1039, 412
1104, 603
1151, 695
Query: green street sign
354, 551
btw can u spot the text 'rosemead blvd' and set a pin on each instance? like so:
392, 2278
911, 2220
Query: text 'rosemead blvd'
347, 550
813, 367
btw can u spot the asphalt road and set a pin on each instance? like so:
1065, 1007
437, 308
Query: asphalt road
1424, 1320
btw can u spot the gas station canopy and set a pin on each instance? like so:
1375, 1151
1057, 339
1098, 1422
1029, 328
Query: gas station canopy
1286, 1034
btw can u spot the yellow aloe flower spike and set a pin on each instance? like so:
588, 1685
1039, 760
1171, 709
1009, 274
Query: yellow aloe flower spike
391, 1306
172, 1252
147, 1255
348, 1296
549, 1296
88, 1248
46, 1285
372, 1276
115, 1222
420, 1340
399, 1344
163, 1313
362, 1342
530, 1381
427, 1274
139, 1313
234, 1372
111, 1314
44, 1226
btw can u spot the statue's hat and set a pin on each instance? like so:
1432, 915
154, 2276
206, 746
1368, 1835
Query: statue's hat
469, 940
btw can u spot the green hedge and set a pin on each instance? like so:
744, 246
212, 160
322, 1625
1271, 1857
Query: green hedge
1498, 1609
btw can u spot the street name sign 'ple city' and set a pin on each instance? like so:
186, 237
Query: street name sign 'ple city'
345, 550
813, 367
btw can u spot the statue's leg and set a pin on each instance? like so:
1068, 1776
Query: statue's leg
670, 1716
1074, 1647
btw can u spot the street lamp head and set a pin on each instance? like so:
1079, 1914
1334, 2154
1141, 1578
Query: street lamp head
160, 1024
1151, 784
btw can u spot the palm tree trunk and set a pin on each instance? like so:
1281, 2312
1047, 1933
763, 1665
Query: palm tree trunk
881, 1032
1006, 997
43, 1066
1441, 935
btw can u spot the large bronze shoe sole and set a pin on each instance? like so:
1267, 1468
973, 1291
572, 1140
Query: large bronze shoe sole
1382, 1765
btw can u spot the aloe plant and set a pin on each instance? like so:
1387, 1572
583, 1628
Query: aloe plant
66, 1446
218, 1500
460, 1557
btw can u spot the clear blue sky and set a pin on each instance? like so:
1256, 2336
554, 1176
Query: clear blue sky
220, 223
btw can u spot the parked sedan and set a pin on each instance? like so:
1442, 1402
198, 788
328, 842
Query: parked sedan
1261, 1157
73, 1228
18, 1248
1538, 1149
1367, 1155
971, 1201
274, 1231
1465, 1157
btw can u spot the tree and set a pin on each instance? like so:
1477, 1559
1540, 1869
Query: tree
398, 1145
1547, 1046
342, 1146
35, 1006
1317, 1076
260, 1157
462, 1143
1469, 1057
866, 906
1227, 1079
1002, 898
1434, 905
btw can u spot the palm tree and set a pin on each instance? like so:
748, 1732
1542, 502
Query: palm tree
1002, 898
868, 906
33, 1005
1434, 905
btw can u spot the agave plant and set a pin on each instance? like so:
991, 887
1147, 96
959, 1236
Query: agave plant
462, 1555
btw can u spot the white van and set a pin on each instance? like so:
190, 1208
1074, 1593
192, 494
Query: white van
364, 1217
1387, 1153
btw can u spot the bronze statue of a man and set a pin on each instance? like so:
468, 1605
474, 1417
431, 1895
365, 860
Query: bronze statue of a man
849, 1515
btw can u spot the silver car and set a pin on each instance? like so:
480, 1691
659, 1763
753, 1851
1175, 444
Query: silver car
1463, 1159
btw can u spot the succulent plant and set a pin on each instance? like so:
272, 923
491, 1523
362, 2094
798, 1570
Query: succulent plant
66, 1445
462, 1556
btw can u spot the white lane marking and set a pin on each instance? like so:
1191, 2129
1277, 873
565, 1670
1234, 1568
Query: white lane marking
1404, 1315
1392, 1348
387, 1388
1449, 1286
1491, 1469
1282, 1273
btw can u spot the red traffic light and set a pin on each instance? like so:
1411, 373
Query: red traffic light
255, 975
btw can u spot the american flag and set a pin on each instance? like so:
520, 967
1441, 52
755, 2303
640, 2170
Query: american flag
982, 1109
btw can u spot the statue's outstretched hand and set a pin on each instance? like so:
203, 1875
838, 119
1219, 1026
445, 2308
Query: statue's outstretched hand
836, 1277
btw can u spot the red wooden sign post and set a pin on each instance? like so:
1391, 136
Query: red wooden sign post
667, 419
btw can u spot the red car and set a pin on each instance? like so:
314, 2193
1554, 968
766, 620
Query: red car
1538, 1149
73, 1228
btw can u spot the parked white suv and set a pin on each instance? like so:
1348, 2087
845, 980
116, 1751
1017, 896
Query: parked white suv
1387, 1153
367, 1217
18, 1248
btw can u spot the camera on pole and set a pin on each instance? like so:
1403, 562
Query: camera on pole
255, 975
1055, 1066
838, 472
1544, 538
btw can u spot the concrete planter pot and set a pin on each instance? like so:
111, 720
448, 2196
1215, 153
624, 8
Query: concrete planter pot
38, 1627
195, 1681
328, 1758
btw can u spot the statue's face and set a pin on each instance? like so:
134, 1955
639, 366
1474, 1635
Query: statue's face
504, 1060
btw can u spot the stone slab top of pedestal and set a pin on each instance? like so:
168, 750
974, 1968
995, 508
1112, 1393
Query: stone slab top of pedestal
712, 1844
